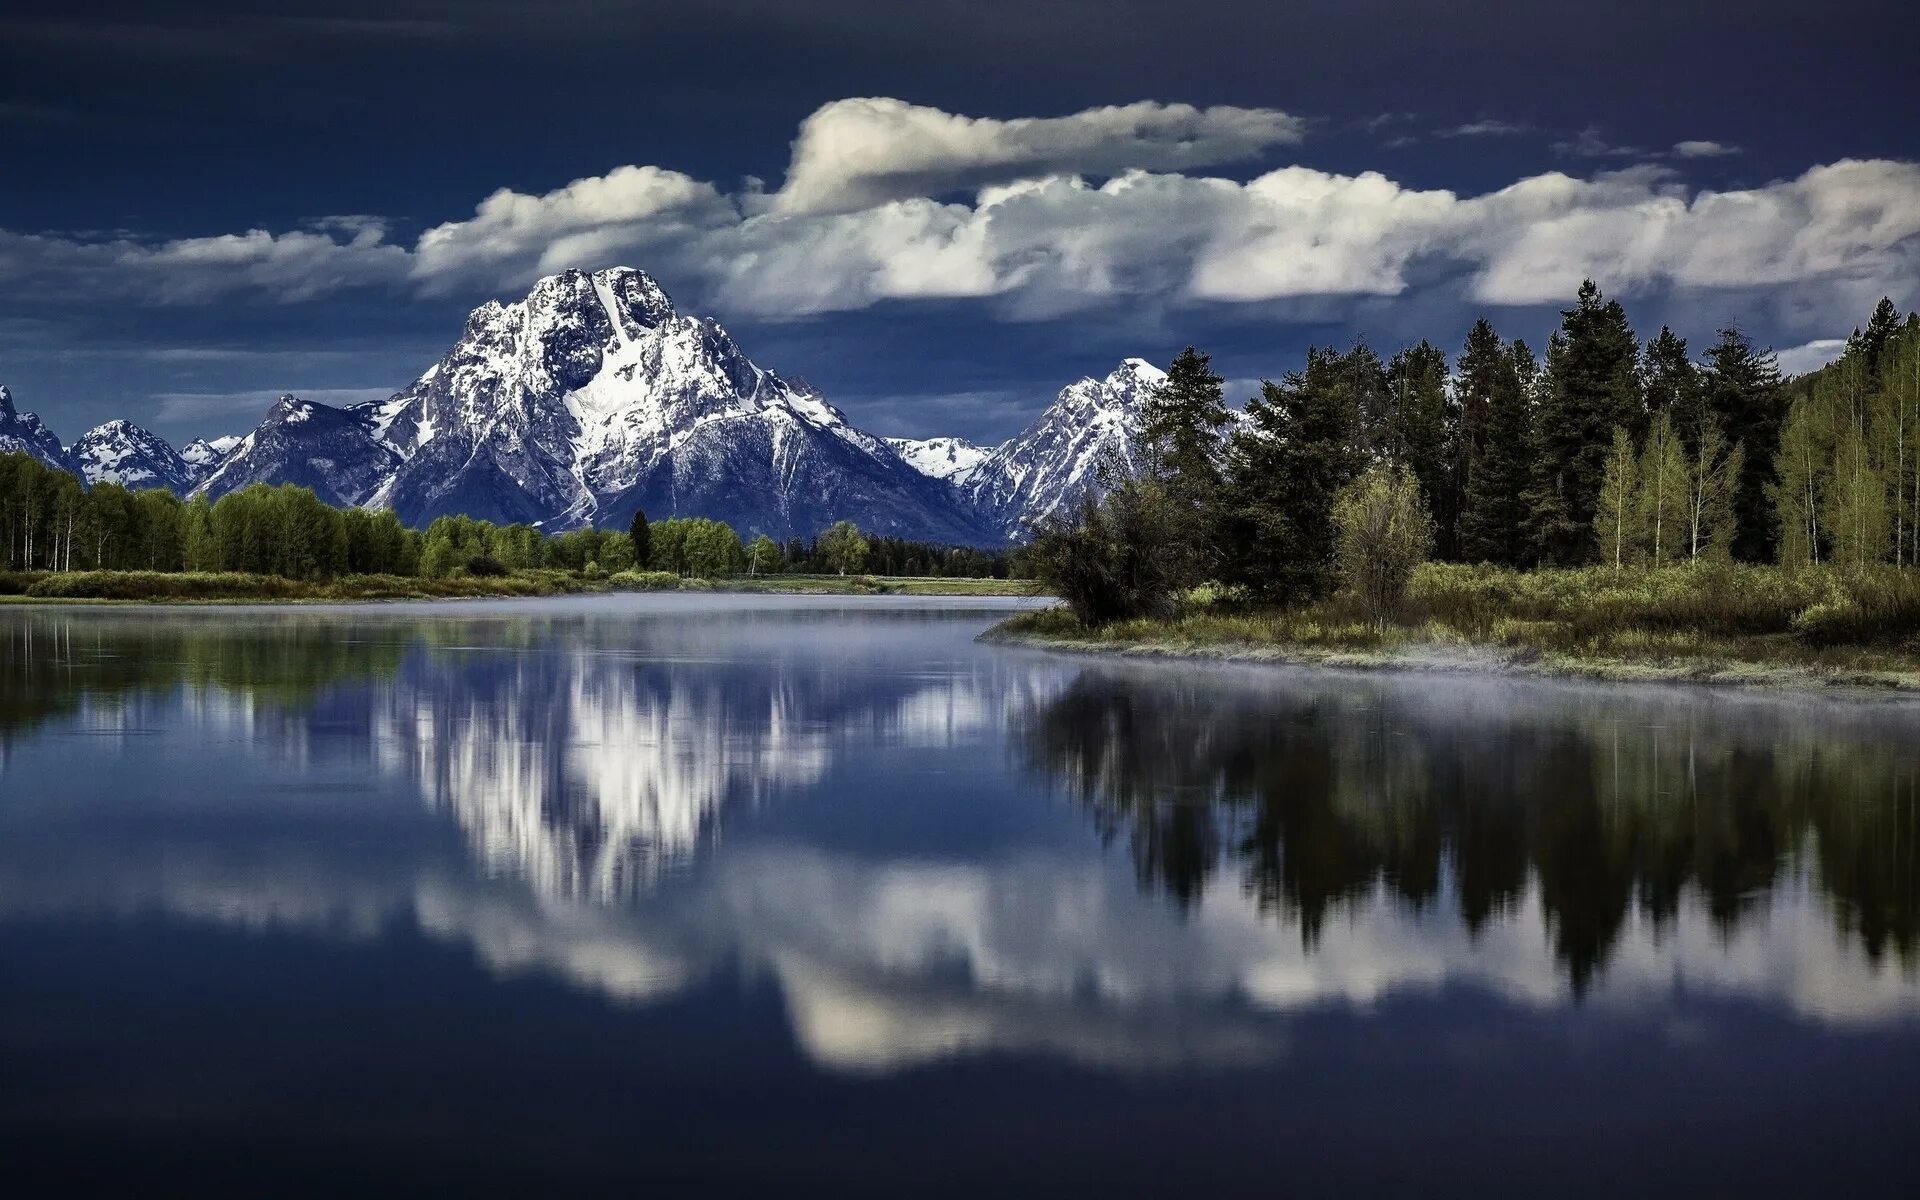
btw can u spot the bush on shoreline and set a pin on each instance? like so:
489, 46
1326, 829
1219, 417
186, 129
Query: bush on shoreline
1707, 609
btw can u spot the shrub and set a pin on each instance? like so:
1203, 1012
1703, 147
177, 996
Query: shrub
1117, 558
485, 566
1384, 534
158, 585
646, 581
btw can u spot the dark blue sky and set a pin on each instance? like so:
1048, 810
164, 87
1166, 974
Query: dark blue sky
138, 143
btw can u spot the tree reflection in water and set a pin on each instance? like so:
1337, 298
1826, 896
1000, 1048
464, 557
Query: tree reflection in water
1313, 790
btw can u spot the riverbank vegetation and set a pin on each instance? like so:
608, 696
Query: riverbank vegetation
214, 587
1616, 503
61, 541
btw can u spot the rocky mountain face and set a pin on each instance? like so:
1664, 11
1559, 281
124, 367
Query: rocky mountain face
331, 450
26, 433
1044, 470
594, 397
123, 453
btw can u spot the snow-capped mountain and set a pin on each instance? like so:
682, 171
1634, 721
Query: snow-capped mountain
123, 453
950, 458
593, 397
27, 433
1045, 468
331, 450
205, 455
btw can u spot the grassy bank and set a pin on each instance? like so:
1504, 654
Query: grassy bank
1705, 623
155, 587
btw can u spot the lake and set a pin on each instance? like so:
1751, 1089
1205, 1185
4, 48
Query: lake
727, 893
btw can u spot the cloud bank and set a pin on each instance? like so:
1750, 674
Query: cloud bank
885, 201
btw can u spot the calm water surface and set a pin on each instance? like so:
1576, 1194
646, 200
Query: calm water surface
729, 893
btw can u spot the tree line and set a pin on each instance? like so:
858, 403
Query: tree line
1604, 450
50, 522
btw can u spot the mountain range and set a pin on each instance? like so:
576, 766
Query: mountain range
593, 397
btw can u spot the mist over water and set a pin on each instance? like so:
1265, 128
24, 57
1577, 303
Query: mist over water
740, 891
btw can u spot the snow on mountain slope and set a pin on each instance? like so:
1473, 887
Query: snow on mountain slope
950, 458
593, 397
205, 455
124, 453
1045, 468
331, 450
26, 433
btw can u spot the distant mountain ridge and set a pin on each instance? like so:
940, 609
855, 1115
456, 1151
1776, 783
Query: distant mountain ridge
593, 397
26, 433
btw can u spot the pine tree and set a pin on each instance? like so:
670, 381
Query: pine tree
1285, 464
1672, 385
1180, 443
1494, 517
1742, 389
1481, 361
1417, 381
1363, 378
1614, 517
1881, 328
642, 539
1592, 388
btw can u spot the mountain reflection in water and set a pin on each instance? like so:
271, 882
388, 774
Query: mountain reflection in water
930, 852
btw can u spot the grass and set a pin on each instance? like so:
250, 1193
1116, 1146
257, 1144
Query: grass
193, 587
1707, 622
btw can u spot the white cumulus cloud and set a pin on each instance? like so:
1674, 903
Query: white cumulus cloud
857, 153
890, 202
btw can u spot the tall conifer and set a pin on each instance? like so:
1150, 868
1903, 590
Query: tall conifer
1592, 388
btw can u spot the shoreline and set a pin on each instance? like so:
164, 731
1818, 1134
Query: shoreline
1471, 659
117, 589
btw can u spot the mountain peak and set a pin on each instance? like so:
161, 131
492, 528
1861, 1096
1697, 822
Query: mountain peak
123, 453
6, 400
1139, 369
1057, 458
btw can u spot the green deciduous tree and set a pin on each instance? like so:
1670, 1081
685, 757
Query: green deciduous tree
845, 549
1661, 495
1713, 469
1384, 532
1615, 515
763, 556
